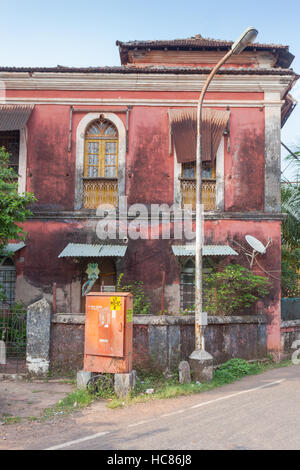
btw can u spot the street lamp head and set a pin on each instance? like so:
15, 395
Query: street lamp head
244, 40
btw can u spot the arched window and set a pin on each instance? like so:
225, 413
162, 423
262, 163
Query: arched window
100, 164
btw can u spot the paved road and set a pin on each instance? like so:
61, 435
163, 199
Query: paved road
259, 412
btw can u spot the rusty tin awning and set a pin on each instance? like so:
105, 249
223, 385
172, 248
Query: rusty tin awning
75, 250
14, 117
14, 247
208, 250
183, 126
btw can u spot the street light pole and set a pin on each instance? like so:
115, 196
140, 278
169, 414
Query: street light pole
200, 354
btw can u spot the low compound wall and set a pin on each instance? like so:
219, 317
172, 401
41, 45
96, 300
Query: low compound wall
162, 341
290, 337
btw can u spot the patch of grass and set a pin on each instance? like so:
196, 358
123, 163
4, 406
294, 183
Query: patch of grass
11, 419
73, 401
164, 386
236, 369
230, 371
102, 386
32, 418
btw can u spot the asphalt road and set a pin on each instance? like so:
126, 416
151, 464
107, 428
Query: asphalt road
258, 412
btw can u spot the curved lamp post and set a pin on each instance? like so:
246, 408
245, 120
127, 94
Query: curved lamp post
199, 358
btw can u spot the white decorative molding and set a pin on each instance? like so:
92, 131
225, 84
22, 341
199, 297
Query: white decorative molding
80, 136
177, 185
22, 161
143, 82
139, 102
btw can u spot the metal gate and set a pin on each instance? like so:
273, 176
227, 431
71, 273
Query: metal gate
12, 339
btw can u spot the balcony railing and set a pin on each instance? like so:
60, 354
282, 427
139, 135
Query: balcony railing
188, 193
98, 191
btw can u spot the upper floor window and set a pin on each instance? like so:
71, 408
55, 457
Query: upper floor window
101, 150
188, 184
101, 164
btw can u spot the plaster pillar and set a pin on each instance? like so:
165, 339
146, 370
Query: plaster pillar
38, 337
272, 151
273, 204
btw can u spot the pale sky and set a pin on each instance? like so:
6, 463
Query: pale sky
83, 33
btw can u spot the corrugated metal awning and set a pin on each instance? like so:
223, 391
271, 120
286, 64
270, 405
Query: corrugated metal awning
14, 247
207, 250
14, 117
183, 123
75, 250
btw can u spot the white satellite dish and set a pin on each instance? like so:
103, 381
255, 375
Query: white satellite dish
256, 244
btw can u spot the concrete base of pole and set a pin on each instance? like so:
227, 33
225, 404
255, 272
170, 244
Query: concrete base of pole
124, 383
83, 378
201, 363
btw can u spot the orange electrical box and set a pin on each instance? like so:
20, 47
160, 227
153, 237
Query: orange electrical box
108, 332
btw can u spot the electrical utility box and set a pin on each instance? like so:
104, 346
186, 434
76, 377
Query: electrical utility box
108, 332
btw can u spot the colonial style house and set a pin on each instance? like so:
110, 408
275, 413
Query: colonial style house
80, 137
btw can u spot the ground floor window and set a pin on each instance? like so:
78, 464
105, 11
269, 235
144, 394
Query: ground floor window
187, 285
187, 280
7, 281
10, 140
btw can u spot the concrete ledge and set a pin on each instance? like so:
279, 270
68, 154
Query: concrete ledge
212, 215
290, 324
190, 319
69, 318
14, 377
161, 320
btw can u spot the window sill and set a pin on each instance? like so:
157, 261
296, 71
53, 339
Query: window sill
100, 178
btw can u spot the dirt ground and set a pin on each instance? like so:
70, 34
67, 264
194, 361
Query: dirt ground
28, 399
255, 412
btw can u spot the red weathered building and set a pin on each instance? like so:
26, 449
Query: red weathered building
81, 136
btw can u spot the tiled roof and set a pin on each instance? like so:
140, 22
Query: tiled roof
155, 69
284, 57
194, 43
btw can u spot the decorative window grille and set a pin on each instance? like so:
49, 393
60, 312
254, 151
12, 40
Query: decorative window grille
188, 186
187, 281
100, 181
8, 283
10, 140
187, 286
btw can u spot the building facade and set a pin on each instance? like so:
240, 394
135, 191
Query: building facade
80, 137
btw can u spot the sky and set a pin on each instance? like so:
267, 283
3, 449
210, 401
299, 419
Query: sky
83, 33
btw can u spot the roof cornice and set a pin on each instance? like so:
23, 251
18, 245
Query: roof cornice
256, 82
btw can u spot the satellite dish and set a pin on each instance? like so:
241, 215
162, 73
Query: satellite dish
256, 244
